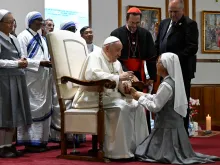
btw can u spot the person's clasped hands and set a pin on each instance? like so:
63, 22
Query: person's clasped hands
22, 63
46, 64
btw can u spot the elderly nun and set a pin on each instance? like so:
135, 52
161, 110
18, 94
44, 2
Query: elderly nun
168, 141
38, 76
14, 99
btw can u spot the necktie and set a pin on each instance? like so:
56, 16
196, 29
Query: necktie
163, 44
170, 29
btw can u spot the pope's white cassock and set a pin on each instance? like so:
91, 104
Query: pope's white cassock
39, 86
125, 120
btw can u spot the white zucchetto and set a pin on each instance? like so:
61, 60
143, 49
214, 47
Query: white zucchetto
110, 40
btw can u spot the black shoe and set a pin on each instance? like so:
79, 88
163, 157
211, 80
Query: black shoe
35, 149
17, 152
6, 153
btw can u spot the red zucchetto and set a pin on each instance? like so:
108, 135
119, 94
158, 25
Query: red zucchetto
134, 10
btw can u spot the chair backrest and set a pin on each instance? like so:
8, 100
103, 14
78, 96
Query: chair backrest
68, 52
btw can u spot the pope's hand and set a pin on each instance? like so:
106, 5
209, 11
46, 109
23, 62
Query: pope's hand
134, 79
126, 76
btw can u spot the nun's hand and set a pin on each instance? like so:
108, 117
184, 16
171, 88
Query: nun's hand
22, 63
46, 64
135, 94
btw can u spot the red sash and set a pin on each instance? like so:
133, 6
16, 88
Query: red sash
134, 64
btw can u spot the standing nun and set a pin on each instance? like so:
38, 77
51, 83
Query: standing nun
14, 100
38, 75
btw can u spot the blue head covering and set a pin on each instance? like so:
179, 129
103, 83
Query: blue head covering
67, 24
31, 17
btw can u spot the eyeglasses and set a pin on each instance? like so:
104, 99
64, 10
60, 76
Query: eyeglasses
9, 22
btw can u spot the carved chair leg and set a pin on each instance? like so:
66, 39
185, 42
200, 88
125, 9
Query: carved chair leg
100, 152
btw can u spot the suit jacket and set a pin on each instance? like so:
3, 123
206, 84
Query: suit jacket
147, 49
183, 41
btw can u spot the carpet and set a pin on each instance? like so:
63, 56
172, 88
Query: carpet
203, 134
210, 145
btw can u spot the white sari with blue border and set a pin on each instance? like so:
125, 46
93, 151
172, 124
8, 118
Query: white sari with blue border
34, 48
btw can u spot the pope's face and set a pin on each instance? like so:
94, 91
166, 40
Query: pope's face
114, 51
133, 22
160, 67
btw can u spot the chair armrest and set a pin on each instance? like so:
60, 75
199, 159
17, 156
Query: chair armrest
139, 84
104, 83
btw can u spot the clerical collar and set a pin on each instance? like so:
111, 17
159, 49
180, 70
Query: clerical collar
90, 47
129, 30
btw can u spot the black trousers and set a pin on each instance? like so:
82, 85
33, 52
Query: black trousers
187, 83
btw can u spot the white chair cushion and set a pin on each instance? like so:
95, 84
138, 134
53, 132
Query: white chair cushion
81, 121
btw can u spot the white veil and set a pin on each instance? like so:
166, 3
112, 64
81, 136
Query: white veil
3, 12
171, 62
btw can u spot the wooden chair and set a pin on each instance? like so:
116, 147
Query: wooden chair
68, 53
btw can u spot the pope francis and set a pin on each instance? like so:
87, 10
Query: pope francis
125, 120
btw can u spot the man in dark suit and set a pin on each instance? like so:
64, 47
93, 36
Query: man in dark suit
138, 53
179, 34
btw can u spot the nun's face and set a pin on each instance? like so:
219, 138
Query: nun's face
37, 24
72, 29
7, 23
160, 67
